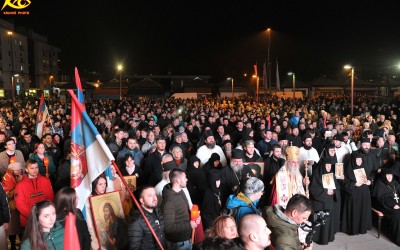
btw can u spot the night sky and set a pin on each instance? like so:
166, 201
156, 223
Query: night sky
218, 38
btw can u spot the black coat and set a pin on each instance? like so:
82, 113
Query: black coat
356, 218
197, 181
322, 201
139, 234
153, 169
211, 205
384, 195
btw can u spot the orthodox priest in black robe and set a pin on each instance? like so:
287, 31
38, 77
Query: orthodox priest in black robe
325, 195
271, 166
356, 218
386, 199
234, 176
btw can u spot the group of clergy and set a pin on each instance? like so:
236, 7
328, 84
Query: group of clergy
343, 183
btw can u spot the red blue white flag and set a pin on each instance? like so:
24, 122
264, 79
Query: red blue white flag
90, 154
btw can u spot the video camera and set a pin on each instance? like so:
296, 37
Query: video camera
318, 218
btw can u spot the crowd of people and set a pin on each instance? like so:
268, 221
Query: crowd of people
257, 171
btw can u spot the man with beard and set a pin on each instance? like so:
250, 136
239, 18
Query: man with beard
368, 158
132, 148
283, 142
288, 180
234, 175
295, 139
139, 234
204, 152
271, 167
152, 167
309, 154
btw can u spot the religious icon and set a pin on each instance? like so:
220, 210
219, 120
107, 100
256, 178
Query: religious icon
360, 175
131, 181
328, 181
339, 170
109, 219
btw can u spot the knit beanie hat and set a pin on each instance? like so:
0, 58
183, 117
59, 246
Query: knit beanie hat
253, 185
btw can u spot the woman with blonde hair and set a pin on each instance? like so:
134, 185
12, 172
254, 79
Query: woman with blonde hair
224, 227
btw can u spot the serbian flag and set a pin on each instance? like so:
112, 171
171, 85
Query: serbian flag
255, 70
71, 239
81, 98
41, 117
90, 154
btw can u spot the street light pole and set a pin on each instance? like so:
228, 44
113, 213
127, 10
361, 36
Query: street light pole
10, 33
294, 84
233, 93
119, 67
352, 90
258, 82
352, 87
268, 81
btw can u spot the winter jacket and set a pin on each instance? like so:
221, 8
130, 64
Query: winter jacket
243, 206
139, 233
29, 191
9, 183
284, 232
54, 239
136, 153
176, 215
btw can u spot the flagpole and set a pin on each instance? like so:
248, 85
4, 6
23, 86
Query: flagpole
138, 206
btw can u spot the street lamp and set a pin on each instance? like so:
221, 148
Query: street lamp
119, 68
352, 86
268, 81
258, 81
50, 85
294, 83
231, 79
10, 34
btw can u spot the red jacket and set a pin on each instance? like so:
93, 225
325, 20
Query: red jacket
28, 192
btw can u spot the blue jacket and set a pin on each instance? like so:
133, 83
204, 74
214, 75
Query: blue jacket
243, 206
136, 153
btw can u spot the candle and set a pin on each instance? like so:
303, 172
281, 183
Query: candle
195, 212
46, 164
13, 159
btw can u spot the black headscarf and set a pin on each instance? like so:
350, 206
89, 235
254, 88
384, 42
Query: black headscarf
384, 189
213, 176
191, 169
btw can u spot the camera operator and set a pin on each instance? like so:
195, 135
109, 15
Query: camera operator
284, 223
